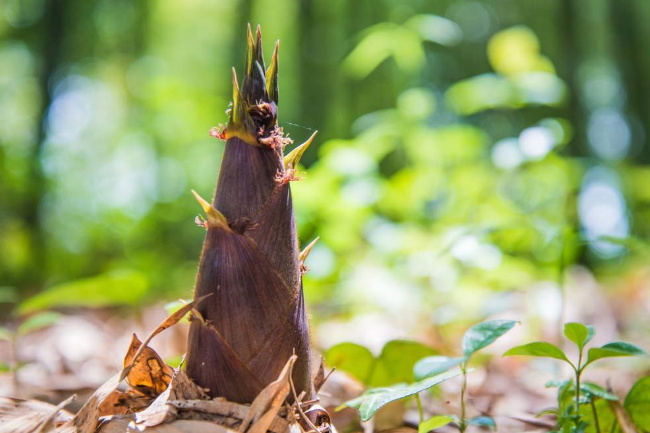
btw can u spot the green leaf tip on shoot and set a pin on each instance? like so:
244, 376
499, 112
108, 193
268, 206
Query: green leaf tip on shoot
374, 399
483, 334
578, 333
293, 158
539, 349
214, 217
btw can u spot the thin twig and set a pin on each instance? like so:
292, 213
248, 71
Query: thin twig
295, 396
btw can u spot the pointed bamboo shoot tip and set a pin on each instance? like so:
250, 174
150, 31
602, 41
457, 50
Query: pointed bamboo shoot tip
294, 157
203, 202
215, 218
235, 83
304, 253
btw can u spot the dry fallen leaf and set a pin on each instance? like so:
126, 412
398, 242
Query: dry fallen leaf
86, 420
31, 416
149, 375
122, 403
160, 411
270, 399
319, 377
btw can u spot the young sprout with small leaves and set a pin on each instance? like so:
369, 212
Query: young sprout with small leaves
476, 338
580, 393
33, 323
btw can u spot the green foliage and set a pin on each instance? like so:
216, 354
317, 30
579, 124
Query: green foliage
399, 357
637, 403
352, 358
123, 287
373, 400
38, 321
175, 361
401, 42
393, 365
540, 349
432, 365
396, 360
433, 423
581, 406
612, 350
578, 333
481, 335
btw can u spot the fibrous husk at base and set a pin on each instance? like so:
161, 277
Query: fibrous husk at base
160, 411
184, 405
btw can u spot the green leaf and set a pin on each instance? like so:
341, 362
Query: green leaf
637, 403
381, 42
432, 365
597, 390
351, 358
39, 321
557, 383
612, 350
120, 287
606, 418
174, 361
578, 333
548, 411
373, 400
585, 387
483, 421
396, 360
433, 423
540, 349
5, 333
484, 334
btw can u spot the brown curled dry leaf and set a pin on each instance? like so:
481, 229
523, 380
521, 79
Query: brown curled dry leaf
171, 320
270, 399
161, 411
87, 419
122, 403
149, 374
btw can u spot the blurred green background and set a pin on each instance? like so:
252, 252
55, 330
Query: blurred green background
470, 153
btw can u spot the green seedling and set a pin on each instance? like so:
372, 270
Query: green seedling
30, 324
476, 338
427, 372
574, 394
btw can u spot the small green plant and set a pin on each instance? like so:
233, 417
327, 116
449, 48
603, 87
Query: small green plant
574, 395
476, 338
388, 376
427, 372
27, 325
